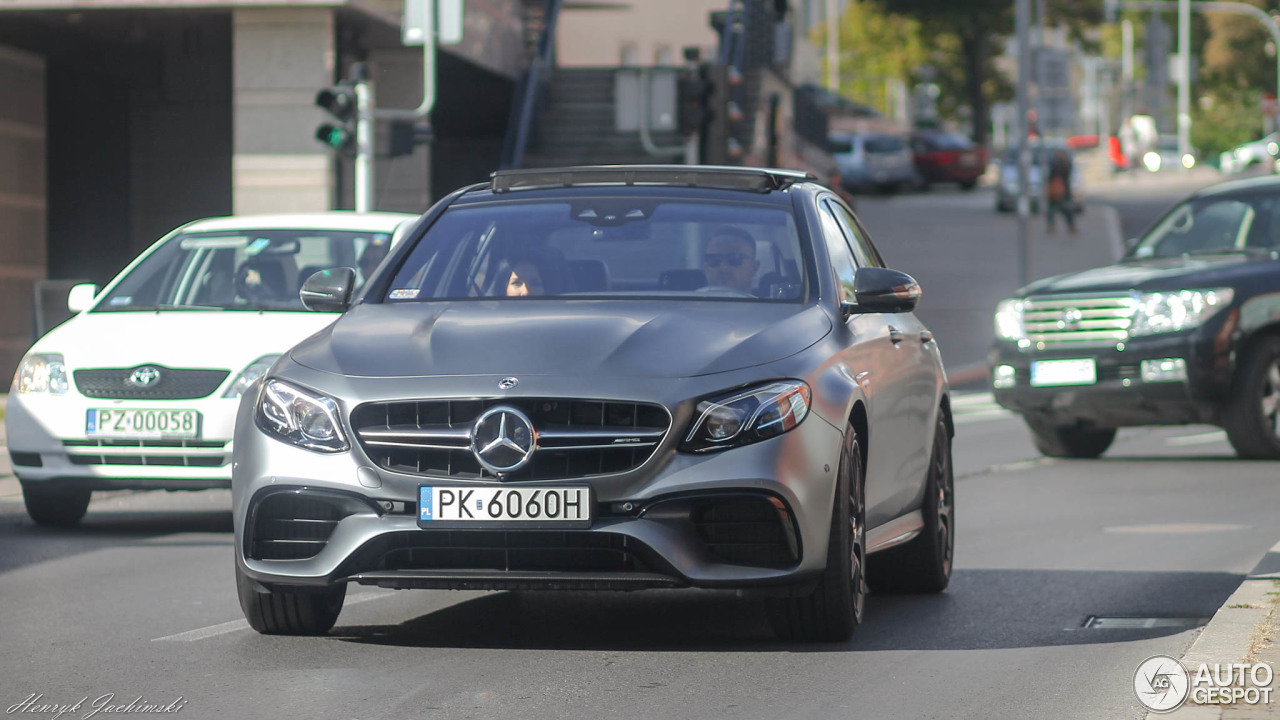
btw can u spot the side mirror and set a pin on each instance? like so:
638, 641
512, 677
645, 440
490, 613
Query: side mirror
80, 298
329, 290
881, 290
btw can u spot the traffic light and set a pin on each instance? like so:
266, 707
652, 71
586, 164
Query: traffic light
340, 102
405, 135
694, 93
726, 132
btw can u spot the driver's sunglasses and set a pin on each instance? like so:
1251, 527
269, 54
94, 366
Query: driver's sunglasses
733, 259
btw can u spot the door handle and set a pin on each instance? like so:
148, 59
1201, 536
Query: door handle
926, 336
895, 335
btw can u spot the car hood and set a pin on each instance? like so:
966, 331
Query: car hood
1156, 274
567, 338
191, 339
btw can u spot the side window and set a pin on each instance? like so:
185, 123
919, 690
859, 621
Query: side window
863, 251
838, 249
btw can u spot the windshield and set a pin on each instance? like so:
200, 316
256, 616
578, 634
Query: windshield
242, 270
606, 247
884, 144
1213, 225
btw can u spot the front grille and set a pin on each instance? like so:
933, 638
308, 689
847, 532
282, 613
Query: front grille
174, 384
1077, 321
576, 438
116, 452
523, 551
293, 525
746, 531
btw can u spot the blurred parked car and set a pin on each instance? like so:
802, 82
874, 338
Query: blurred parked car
1166, 157
139, 390
1254, 152
947, 157
1184, 329
1007, 182
873, 161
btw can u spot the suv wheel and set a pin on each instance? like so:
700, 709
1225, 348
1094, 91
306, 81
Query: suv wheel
924, 564
58, 507
1070, 441
833, 610
1252, 414
285, 612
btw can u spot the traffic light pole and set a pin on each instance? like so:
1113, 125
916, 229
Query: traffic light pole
364, 144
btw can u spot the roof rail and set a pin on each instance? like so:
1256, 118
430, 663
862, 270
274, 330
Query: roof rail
747, 179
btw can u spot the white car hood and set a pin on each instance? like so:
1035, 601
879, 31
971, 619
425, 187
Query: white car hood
178, 339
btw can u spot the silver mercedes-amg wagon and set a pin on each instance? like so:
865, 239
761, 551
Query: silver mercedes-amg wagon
606, 378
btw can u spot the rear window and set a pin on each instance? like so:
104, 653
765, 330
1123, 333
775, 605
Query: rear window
947, 142
839, 145
614, 247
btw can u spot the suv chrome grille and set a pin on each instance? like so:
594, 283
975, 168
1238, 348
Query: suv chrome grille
1078, 320
576, 438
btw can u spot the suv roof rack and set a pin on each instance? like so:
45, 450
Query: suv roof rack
748, 179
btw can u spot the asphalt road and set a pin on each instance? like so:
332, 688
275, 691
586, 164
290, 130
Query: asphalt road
140, 602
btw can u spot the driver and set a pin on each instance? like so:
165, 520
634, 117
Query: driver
729, 259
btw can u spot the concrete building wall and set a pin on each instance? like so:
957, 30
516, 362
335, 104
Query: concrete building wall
653, 32
281, 57
23, 197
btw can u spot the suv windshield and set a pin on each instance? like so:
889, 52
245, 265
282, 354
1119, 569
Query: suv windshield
241, 270
606, 247
884, 144
1213, 225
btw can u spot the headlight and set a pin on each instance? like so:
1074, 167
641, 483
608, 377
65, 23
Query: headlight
300, 417
45, 373
1009, 320
747, 416
249, 375
1174, 311
1152, 160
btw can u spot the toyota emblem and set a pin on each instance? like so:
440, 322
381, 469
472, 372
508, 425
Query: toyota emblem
144, 377
507, 383
503, 439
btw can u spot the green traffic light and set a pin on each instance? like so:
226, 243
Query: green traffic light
334, 136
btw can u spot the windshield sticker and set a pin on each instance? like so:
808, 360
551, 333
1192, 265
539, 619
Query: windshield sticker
404, 294
257, 246
121, 300
212, 243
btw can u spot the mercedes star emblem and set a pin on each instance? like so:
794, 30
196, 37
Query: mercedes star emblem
507, 383
503, 439
144, 376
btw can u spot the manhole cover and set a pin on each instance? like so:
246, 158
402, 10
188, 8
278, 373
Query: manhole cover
1103, 622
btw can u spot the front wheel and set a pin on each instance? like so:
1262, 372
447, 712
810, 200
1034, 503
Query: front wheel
1070, 441
1252, 415
923, 565
833, 610
56, 507
289, 612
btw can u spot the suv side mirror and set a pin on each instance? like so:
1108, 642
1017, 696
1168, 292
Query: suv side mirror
881, 290
329, 290
80, 297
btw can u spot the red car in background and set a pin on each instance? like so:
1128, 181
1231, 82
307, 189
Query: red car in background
947, 157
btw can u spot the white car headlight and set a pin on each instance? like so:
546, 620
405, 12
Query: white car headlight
249, 375
41, 373
1009, 325
299, 417
1179, 310
747, 416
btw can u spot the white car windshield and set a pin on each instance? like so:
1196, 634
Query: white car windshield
608, 246
241, 270
1208, 226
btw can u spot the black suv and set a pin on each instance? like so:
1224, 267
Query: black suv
1184, 329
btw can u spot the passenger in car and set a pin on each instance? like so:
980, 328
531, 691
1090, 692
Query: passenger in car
729, 259
541, 272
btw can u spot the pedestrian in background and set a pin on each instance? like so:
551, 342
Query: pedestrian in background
1058, 191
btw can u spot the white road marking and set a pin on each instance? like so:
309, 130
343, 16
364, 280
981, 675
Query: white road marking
977, 407
234, 625
1175, 528
1198, 438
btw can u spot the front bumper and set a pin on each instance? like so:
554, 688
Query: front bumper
48, 444
1120, 397
648, 528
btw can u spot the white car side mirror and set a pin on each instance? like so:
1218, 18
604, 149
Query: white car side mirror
80, 298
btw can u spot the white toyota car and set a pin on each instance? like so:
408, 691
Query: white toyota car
139, 389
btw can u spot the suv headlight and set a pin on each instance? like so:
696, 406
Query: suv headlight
1179, 310
249, 375
1009, 325
746, 416
42, 373
299, 417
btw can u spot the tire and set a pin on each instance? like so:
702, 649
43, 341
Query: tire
1252, 414
55, 507
283, 612
1070, 441
833, 610
1003, 207
967, 185
924, 564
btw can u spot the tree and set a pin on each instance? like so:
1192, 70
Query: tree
875, 46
